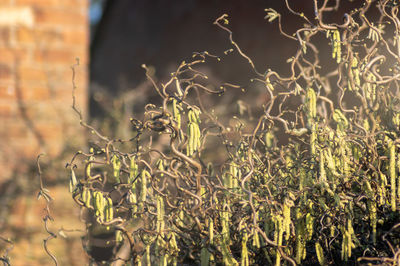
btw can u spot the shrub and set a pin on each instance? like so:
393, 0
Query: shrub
314, 179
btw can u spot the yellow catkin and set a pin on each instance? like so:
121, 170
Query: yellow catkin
147, 258
370, 87
87, 197
313, 140
373, 218
98, 204
244, 253
269, 85
347, 242
118, 236
286, 218
356, 73
176, 113
322, 172
72, 181
89, 165
278, 236
116, 163
336, 44
133, 171
311, 103
320, 254
173, 248
309, 225
143, 191
160, 215
398, 178
109, 211
300, 236
225, 239
392, 174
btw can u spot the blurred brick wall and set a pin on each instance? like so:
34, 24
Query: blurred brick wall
39, 42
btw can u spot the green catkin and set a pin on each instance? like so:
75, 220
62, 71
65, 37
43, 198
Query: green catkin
204, 257
303, 178
392, 174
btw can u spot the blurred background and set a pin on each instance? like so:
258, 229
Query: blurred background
104, 43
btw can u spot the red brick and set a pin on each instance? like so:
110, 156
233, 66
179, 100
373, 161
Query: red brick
5, 71
47, 16
76, 37
55, 56
25, 35
50, 130
7, 92
23, 84
36, 93
54, 3
17, 130
4, 35
36, 74
6, 110
36, 2
27, 147
27, 73
9, 56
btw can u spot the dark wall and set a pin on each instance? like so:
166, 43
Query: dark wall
161, 33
